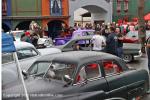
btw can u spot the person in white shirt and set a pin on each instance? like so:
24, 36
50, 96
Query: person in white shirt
98, 41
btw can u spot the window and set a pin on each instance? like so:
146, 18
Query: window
111, 67
58, 70
7, 57
26, 53
88, 71
83, 43
39, 68
56, 7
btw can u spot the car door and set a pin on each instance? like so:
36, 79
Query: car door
89, 78
116, 81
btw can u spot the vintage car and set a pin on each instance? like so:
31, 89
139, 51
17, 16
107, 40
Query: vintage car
27, 54
134, 34
132, 51
77, 33
79, 72
45, 41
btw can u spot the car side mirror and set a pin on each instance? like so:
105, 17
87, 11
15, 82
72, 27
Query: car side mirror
25, 74
67, 79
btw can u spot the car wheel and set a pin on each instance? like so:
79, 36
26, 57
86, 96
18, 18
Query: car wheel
127, 58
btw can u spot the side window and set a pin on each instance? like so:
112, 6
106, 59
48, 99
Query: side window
7, 57
38, 68
88, 71
26, 53
111, 67
83, 43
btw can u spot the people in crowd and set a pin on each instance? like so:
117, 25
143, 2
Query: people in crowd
77, 47
26, 37
120, 42
98, 41
34, 38
112, 42
147, 45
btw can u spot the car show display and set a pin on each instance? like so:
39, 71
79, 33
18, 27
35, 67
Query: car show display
97, 75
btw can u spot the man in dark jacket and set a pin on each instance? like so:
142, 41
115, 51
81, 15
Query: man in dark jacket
112, 42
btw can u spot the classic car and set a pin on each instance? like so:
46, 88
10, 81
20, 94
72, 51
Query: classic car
132, 51
79, 72
134, 34
27, 54
77, 33
45, 41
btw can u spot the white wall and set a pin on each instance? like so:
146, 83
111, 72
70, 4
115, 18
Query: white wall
75, 5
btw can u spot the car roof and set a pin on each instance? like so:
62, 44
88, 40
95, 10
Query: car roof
21, 45
49, 51
76, 57
82, 37
85, 30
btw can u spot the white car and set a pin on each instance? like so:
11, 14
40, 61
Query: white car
134, 34
27, 54
45, 41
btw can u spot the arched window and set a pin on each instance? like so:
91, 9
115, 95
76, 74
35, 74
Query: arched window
56, 7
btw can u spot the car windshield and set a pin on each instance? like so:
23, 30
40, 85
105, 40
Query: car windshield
132, 34
52, 70
88, 33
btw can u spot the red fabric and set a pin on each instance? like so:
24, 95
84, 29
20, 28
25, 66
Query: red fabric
110, 65
27, 33
147, 17
93, 66
78, 78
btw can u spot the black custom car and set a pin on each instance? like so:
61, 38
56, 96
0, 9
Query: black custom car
131, 51
81, 72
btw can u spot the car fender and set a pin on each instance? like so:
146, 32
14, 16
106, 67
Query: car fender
8, 76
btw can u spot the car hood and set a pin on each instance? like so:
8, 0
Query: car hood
37, 86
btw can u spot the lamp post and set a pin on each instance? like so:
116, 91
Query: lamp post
141, 22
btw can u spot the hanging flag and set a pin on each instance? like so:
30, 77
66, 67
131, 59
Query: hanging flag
7, 43
8, 47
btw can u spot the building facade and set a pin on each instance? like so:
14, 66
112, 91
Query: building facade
55, 14
127, 9
49, 14
6, 11
100, 10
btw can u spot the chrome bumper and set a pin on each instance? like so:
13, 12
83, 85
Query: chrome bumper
137, 57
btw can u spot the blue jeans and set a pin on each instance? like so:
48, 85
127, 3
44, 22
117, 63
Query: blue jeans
120, 52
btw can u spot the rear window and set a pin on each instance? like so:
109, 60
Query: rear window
7, 57
132, 34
